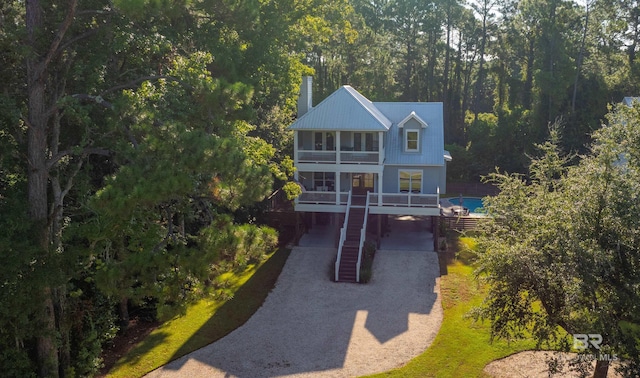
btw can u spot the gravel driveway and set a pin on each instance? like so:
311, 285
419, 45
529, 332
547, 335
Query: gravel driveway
312, 327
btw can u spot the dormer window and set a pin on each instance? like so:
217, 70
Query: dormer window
412, 124
411, 138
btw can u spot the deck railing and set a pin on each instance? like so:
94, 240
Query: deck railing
363, 235
375, 199
343, 236
317, 156
369, 157
347, 157
323, 198
328, 198
405, 199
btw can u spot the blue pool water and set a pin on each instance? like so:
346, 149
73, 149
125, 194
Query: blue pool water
473, 204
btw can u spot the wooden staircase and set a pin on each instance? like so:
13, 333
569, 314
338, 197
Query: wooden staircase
349, 256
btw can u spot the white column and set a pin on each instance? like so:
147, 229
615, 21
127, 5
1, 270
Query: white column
337, 187
380, 188
380, 147
295, 150
338, 147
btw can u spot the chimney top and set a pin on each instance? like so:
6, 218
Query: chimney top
305, 101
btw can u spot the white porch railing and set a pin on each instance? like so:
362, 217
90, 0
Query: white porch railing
363, 235
404, 199
323, 198
369, 157
343, 236
347, 157
317, 156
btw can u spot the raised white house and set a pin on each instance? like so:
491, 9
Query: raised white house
357, 157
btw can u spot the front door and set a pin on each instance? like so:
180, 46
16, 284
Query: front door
361, 183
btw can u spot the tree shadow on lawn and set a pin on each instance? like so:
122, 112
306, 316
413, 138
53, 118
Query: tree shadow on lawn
229, 316
137, 354
455, 251
236, 311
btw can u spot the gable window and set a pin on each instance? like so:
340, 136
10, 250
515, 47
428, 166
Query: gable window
411, 138
324, 141
410, 181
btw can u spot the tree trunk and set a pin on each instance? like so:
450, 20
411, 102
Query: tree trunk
602, 368
37, 178
123, 311
63, 327
46, 349
580, 57
528, 83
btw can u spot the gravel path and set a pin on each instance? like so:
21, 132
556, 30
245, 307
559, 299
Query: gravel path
533, 364
312, 327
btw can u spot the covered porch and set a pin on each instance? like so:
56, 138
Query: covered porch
329, 192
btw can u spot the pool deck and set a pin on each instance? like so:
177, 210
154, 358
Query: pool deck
450, 208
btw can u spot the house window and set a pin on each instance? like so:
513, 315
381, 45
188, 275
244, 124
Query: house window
324, 181
324, 141
411, 140
410, 181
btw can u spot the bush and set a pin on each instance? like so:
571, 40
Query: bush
366, 267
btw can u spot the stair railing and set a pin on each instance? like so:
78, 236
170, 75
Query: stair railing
343, 235
363, 234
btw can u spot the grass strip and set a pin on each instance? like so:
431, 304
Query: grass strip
205, 321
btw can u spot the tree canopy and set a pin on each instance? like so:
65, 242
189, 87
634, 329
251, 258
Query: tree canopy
562, 249
138, 136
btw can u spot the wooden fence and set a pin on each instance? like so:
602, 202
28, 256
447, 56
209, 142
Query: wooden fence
460, 223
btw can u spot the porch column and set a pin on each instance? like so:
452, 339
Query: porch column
436, 232
337, 186
379, 233
295, 151
380, 148
338, 147
380, 188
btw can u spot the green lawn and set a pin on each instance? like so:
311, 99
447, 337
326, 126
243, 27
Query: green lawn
461, 348
205, 321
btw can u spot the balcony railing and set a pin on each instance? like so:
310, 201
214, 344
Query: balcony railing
404, 199
317, 156
370, 157
323, 198
346, 157
375, 199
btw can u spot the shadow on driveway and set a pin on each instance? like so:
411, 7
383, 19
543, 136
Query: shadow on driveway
310, 326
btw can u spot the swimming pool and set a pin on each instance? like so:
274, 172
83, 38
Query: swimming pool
472, 203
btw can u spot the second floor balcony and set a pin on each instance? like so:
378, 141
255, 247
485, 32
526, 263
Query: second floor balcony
339, 147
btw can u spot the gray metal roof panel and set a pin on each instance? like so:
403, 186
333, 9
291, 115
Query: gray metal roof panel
431, 137
630, 100
344, 109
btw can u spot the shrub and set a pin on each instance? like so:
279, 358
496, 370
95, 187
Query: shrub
366, 267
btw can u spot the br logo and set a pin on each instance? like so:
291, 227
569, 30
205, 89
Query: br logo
581, 341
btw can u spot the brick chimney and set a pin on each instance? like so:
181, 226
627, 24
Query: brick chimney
305, 100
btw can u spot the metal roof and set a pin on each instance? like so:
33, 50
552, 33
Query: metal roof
347, 110
630, 100
431, 137
344, 109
